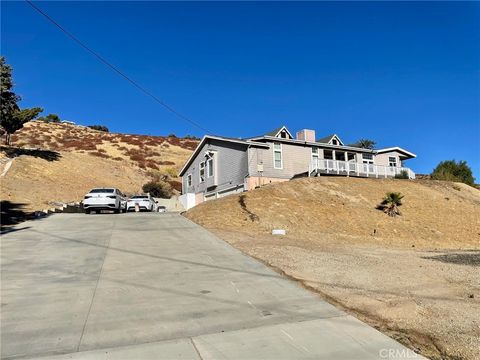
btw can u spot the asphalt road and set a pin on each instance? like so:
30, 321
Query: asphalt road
157, 286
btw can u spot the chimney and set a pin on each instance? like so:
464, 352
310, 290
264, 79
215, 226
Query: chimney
306, 135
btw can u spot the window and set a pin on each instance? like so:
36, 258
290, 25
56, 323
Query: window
340, 156
367, 158
277, 156
94, 191
210, 167
202, 171
314, 154
328, 154
392, 161
334, 142
189, 180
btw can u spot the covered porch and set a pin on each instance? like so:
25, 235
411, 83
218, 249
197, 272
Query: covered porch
352, 168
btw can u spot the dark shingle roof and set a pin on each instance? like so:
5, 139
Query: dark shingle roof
274, 132
325, 139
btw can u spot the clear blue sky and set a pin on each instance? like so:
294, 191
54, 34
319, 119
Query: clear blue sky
401, 73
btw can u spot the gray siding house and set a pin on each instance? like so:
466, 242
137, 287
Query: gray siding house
220, 166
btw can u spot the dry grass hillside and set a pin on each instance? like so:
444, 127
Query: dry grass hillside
37, 182
414, 277
61, 162
143, 151
434, 215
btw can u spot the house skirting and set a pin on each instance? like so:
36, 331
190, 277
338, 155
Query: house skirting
254, 182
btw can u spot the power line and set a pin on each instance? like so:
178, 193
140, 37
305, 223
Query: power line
115, 69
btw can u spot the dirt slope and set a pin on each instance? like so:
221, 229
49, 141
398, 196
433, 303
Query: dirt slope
72, 159
434, 215
427, 296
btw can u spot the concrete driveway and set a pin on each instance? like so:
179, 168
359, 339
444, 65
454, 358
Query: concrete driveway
153, 286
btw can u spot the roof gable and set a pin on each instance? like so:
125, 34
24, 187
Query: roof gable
407, 154
281, 132
206, 138
330, 139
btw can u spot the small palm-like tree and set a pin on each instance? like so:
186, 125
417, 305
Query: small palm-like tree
365, 144
390, 204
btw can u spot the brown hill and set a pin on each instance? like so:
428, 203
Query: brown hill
144, 151
434, 215
38, 183
405, 276
61, 162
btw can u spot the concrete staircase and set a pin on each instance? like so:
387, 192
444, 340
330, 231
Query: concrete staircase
69, 208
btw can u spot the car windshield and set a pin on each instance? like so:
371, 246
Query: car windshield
93, 191
139, 197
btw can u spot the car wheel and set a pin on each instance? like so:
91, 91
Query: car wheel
87, 211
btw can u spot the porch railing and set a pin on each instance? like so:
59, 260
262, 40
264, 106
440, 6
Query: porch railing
350, 168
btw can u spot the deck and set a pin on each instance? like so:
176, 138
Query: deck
350, 168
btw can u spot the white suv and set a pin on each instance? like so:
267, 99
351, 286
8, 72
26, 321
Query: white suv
105, 199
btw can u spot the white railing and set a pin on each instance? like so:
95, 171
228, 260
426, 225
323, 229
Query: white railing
349, 168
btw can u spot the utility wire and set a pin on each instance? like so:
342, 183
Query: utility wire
115, 69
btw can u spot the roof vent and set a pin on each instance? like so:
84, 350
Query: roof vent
306, 135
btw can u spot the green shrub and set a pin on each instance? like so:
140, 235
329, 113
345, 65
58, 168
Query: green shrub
191, 137
402, 175
156, 175
171, 172
160, 189
50, 118
99, 128
163, 174
450, 170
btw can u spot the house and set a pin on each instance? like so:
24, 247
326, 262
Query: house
220, 166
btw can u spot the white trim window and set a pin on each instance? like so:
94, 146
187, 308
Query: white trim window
367, 158
277, 156
201, 171
314, 155
392, 161
189, 180
210, 167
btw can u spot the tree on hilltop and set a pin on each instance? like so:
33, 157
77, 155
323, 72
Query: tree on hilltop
50, 118
450, 170
12, 117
